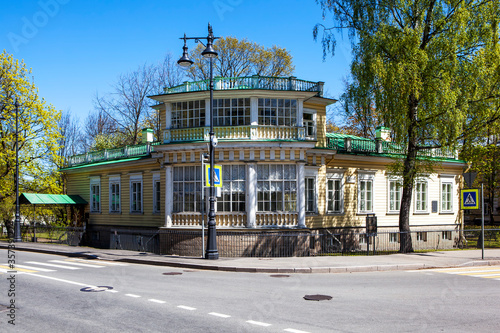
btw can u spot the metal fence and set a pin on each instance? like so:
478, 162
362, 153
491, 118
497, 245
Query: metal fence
52, 234
473, 238
135, 240
359, 243
324, 242
238, 243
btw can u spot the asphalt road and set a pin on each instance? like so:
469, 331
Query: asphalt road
52, 297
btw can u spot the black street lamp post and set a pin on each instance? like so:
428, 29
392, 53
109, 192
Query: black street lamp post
209, 52
17, 221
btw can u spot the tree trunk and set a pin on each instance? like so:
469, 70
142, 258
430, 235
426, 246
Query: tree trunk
409, 174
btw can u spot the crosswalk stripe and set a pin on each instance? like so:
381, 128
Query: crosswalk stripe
467, 270
485, 272
75, 264
39, 269
51, 265
16, 268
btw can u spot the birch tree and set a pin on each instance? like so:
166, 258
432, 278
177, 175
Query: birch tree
430, 66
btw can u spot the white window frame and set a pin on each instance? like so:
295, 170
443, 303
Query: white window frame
136, 179
367, 178
275, 112
397, 181
313, 199
394, 237
422, 236
185, 189
156, 195
420, 197
114, 180
232, 111
335, 176
446, 181
95, 205
233, 199
267, 197
447, 235
308, 123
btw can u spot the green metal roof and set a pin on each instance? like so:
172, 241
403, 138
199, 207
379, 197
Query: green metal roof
50, 199
343, 136
104, 163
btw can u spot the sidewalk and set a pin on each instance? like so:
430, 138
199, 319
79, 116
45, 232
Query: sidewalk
323, 264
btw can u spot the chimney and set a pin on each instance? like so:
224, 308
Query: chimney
147, 135
383, 133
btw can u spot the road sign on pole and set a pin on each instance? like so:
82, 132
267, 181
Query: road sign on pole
469, 199
217, 175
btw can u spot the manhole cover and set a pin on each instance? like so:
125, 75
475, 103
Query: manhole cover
96, 289
280, 275
172, 273
317, 297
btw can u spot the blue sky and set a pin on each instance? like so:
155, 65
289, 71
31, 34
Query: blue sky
77, 48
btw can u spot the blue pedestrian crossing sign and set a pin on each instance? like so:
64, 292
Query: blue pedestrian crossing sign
217, 175
469, 199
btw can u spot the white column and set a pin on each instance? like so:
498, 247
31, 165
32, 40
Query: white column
168, 115
300, 113
251, 194
301, 195
254, 111
169, 195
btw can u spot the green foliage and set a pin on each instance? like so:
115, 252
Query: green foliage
431, 67
38, 135
108, 141
241, 58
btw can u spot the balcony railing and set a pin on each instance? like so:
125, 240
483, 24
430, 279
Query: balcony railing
235, 133
250, 82
367, 146
238, 220
112, 154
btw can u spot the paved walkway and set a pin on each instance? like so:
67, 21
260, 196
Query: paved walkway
321, 264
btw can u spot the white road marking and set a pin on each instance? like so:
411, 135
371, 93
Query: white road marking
51, 265
219, 315
291, 330
62, 280
156, 301
111, 291
8, 270
186, 307
36, 268
258, 323
132, 295
75, 264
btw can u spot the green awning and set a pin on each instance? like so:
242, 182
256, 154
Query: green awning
50, 199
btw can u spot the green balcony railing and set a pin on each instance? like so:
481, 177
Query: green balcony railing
367, 146
250, 82
112, 154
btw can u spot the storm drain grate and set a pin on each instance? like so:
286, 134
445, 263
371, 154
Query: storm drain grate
172, 273
96, 289
280, 275
317, 297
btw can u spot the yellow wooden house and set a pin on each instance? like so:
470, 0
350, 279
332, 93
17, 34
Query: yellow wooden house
289, 188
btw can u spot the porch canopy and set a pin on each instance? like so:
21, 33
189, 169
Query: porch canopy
50, 199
